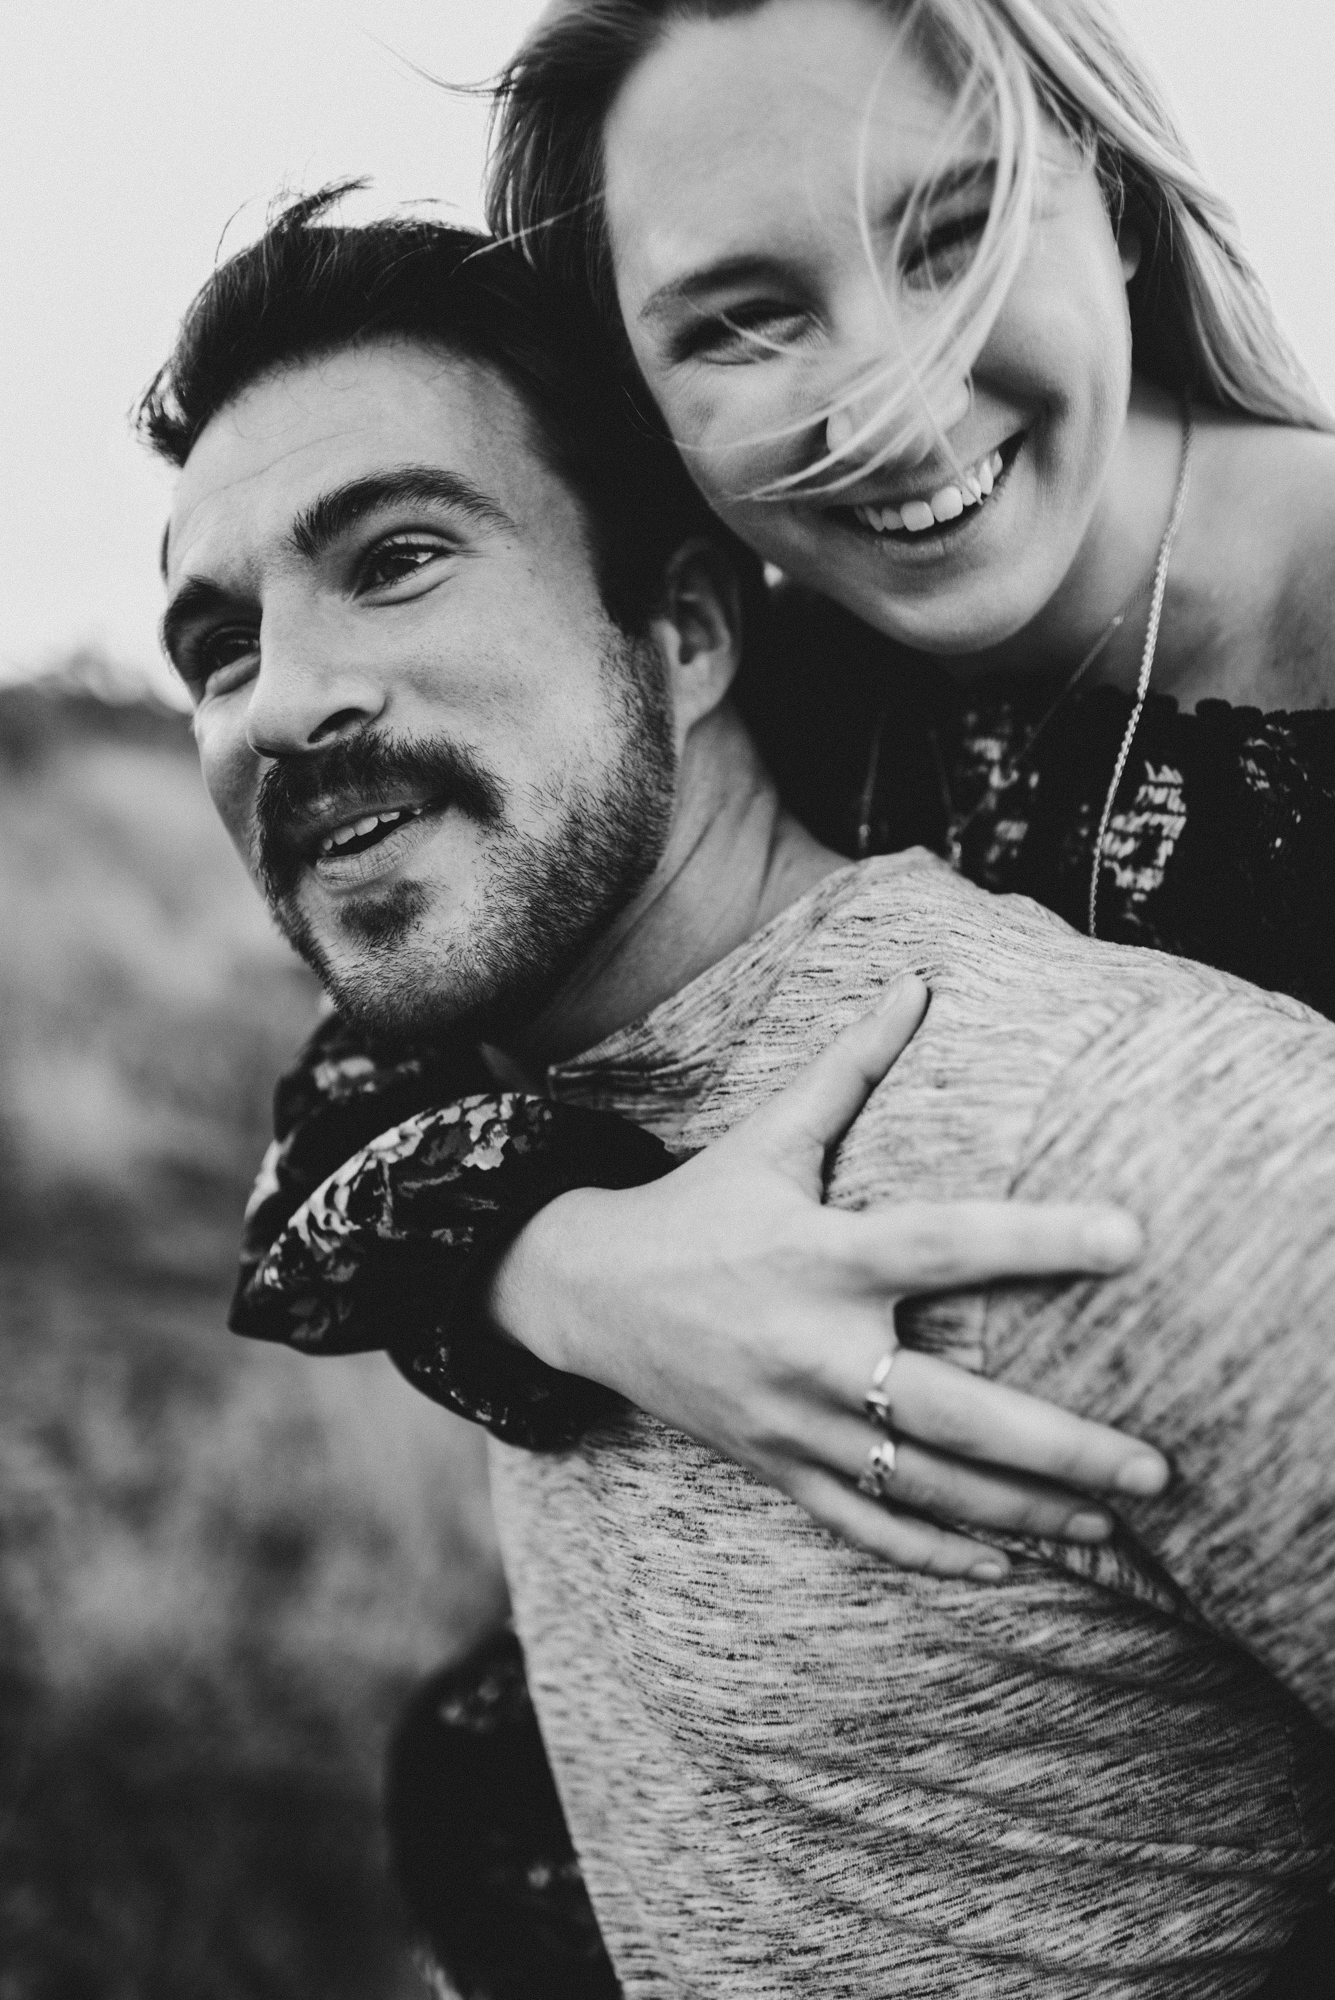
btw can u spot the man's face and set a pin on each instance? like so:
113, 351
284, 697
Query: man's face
444, 764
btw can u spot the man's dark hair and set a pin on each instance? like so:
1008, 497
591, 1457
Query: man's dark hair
309, 287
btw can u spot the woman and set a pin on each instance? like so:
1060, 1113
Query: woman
948, 327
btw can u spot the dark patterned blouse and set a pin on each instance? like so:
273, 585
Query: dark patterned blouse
397, 1177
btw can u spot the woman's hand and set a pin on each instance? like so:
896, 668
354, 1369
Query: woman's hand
729, 1303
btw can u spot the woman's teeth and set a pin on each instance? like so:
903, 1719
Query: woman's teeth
379, 824
916, 516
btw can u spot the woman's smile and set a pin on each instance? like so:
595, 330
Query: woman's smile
933, 520
788, 262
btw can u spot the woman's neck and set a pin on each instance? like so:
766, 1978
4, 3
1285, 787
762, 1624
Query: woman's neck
1114, 565
1249, 613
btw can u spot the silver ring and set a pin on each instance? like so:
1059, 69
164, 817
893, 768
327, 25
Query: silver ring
876, 1402
879, 1470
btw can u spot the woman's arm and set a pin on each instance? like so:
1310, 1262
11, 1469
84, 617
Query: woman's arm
728, 1302
527, 1264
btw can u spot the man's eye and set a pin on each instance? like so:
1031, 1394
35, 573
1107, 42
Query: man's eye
937, 257
397, 560
222, 659
224, 649
745, 333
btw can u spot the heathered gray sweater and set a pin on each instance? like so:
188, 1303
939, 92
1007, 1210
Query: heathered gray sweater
790, 1770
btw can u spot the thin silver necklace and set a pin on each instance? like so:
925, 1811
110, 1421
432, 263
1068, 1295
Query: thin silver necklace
1146, 658
959, 824
1015, 765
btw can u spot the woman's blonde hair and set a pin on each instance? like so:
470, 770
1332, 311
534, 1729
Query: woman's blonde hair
1201, 321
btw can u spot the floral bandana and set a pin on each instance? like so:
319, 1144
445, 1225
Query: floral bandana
383, 1205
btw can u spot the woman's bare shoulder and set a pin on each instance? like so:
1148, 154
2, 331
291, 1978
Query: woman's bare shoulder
1272, 506
1304, 618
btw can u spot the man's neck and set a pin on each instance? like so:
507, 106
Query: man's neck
734, 859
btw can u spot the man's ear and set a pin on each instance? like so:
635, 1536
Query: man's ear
697, 627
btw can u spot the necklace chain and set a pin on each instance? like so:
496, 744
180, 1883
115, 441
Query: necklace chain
1016, 764
1158, 578
1146, 659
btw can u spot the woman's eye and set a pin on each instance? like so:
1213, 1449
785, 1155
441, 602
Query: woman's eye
397, 560
746, 333
937, 257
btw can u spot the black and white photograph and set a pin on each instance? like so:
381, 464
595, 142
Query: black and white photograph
667, 1000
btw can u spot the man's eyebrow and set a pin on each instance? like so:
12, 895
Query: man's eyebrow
197, 597
316, 526
750, 268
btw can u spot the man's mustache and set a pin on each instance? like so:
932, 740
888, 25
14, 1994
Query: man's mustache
362, 773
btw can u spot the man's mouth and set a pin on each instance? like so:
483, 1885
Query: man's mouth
353, 816
357, 835
364, 845
944, 509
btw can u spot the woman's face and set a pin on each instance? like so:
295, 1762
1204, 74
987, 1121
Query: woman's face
751, 304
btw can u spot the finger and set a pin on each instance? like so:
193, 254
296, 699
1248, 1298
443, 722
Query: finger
955, 1492
936, 1246
939, 1405
896, 1538
810, 1113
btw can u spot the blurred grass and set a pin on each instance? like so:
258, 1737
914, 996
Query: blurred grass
221, 1566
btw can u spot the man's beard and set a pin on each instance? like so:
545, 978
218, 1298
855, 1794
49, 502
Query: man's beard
547, 898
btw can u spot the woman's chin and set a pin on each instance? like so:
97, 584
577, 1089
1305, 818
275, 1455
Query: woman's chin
962, 584
941, 598
954, 618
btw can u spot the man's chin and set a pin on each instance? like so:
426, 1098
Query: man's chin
367, 970
381, 924
395, 986
485, 954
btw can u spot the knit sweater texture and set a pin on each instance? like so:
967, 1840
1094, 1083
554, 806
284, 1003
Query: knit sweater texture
790, 1769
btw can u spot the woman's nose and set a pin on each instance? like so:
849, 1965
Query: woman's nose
868, 419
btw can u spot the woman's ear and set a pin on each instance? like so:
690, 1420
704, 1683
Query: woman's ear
698, 628
1129, 250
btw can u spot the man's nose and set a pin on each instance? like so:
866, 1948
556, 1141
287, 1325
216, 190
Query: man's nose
308, 696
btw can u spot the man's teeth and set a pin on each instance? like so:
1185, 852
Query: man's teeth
357, 829
916, 516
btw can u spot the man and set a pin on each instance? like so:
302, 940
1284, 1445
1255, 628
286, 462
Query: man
463, 703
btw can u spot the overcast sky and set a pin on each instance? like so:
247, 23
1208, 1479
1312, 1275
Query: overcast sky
134, 137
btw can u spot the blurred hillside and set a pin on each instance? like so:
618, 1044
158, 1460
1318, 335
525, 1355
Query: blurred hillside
221, 1566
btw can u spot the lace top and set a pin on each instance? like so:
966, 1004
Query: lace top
1221, 848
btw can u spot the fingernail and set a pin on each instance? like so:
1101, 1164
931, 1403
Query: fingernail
1088, 1528
1145, 1476
896, 992
988, 1572
1112, 1239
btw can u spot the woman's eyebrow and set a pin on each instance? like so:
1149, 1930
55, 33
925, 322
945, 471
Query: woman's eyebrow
325, 519
738, 270
750, 268
960, 178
